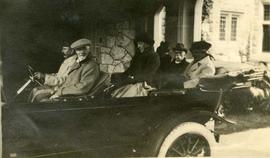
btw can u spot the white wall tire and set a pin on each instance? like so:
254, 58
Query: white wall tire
182, 132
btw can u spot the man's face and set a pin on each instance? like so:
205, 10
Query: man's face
179, 56
141, 46
82, 52
67, 52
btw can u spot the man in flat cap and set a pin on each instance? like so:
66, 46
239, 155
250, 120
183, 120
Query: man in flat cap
83, 74
202, 66
142, 69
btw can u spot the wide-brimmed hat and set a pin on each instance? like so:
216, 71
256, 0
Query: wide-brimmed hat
144, 37
200, 45
179, 48
80, 43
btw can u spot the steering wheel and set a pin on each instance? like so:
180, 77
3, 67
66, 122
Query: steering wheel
31, 75
31, 79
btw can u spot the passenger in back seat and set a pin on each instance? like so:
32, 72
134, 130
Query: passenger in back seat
139, 76
173, 77
202, 65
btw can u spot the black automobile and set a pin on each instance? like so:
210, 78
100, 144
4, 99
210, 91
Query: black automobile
166, 123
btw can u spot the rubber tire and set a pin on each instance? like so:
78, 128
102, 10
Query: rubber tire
162, 139
184, 128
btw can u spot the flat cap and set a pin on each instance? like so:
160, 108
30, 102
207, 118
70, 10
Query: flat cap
80, 43
200, 45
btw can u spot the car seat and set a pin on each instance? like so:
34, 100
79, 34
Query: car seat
102, 82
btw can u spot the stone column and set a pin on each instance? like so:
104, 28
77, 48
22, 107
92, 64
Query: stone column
198, 20
1, 85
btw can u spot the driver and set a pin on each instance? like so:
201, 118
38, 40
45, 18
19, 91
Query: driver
53, 80
58, 78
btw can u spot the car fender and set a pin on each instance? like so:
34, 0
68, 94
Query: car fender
160, 130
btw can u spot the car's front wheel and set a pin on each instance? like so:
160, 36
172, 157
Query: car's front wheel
189, 139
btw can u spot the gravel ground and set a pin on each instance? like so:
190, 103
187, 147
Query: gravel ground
253, 143
249, 138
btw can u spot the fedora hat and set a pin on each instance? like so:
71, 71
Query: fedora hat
179, 48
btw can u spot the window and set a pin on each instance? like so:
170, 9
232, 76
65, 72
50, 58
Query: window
222, 28
266, 29
266, 12
266, 38
228, 26
233, 28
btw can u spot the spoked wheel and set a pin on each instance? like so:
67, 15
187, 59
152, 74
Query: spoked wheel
189, 139
189, 145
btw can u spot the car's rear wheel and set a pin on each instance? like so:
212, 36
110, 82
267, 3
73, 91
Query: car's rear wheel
188, 139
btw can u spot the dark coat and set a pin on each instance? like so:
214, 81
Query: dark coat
165, 62
144, 66
178, 68
173, 76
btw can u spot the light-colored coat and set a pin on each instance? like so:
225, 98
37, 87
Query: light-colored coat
203, 68
81, 78
59, 78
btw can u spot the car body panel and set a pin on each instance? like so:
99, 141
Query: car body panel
100, 125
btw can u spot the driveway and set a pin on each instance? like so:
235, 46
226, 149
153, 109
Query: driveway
253, 143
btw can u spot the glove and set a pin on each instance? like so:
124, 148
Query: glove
39, 75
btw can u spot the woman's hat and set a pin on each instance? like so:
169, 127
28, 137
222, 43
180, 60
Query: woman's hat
144, 37
200, 45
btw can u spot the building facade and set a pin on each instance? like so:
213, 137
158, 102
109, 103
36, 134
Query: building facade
239, 30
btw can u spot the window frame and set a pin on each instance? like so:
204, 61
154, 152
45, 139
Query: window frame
234, 28
264, 15
265, 22
228, 28
222, 29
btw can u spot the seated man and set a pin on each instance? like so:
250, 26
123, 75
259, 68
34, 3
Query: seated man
52, 81
172, 78
179, 63
83, 74
138, 77
202, 65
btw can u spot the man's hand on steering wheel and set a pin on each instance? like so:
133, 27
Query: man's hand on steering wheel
39, 75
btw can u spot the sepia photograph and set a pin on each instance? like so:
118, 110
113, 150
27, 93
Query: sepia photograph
134, 78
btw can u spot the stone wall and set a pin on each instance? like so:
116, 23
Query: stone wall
114, 48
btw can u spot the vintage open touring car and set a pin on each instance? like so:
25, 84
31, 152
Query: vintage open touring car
166, 123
